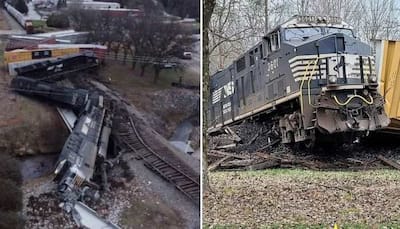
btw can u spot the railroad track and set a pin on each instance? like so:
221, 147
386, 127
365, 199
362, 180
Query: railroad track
158, 158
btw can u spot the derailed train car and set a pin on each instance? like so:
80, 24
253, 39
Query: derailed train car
308, 76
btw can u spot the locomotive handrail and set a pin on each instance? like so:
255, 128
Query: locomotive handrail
301, 87
352, 97
309, 83
302, 82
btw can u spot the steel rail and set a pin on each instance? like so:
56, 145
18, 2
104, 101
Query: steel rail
182, 181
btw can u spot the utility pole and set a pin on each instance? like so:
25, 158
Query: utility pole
266, 16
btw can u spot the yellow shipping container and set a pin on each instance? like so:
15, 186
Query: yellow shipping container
388, 57
25, 55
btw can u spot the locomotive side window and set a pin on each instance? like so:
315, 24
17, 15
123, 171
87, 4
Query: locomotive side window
240, 64
251, 54
243, 94
252, 82
237, 92
274, 41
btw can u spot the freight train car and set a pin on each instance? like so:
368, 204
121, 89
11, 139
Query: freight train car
51, 70
74, 98
308, 77
25, 22
94, 5
36, 54
28, 22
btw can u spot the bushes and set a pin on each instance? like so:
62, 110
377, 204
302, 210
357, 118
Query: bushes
58, 21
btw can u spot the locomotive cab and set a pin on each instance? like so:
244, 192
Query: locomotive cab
310, 73
336, 77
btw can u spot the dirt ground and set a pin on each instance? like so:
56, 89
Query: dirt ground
284, 198
164, 106
27, 126
3, 21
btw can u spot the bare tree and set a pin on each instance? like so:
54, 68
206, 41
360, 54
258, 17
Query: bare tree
375, 17
150, 40
208, 7
155, 38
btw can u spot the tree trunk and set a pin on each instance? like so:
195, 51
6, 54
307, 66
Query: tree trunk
125, 56
133, 65
143, 68
157, 71
208, 10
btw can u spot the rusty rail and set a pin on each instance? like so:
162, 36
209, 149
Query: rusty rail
158, 158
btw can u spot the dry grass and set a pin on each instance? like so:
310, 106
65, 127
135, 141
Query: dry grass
149, 214
138, 88
124, 78
302, 199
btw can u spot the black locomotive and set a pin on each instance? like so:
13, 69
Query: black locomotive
308, 76
53, 70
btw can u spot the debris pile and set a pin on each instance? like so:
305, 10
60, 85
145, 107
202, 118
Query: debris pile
251, 146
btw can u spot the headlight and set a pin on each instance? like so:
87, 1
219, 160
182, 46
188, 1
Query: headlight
372, 79
332, 79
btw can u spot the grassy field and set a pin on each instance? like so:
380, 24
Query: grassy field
140, 89
285, 198
145, 213
391, 225
122, 76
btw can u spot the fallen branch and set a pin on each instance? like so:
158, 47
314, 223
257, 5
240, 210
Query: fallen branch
226, 146
216, 164
389, 162
253, 139
355, 161
274, 142
223, 154
234, 136
237, 163
285, 162
264, 165
267, 156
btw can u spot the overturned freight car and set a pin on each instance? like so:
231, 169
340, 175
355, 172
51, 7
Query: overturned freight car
307, 77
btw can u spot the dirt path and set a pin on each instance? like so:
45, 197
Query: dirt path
289, 198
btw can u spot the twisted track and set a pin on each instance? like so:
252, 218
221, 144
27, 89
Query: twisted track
157, 157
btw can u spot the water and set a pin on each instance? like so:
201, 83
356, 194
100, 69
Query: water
37, 166
182, 132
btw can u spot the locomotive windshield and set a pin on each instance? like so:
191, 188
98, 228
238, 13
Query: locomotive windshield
303, 33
